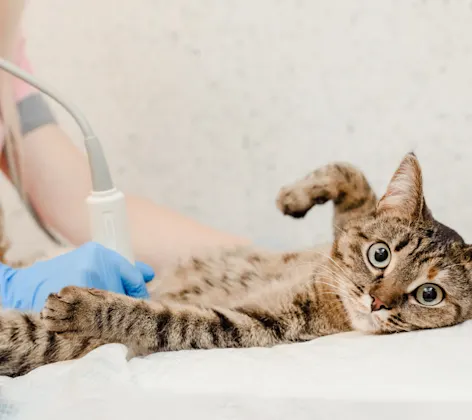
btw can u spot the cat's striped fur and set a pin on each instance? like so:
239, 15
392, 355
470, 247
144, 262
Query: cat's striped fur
244, 297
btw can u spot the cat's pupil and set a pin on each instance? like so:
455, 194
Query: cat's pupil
381, 255
429, 294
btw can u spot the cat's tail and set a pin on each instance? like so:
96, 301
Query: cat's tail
26, 344
342, 183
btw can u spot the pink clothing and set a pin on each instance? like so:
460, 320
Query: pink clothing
22, 89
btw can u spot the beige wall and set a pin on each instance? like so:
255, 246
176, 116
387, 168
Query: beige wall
209, 106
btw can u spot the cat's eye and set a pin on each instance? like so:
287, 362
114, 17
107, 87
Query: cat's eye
379, 255
429, 294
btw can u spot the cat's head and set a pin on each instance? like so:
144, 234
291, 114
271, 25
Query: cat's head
401, 269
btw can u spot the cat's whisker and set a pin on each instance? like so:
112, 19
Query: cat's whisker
329, 258
338, 280
330, 285
338, 290
337, 264
317, 265
337, 277
337, 227
325, 270
331, 271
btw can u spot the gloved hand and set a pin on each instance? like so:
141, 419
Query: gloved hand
90, 265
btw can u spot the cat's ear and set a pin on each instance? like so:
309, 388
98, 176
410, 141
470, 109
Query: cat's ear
404, 197
467, 255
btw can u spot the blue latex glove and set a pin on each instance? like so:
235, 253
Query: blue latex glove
90, 265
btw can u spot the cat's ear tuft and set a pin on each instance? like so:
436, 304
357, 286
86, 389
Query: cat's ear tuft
404, 197
467, 255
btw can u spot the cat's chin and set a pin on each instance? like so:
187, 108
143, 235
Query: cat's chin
363, 322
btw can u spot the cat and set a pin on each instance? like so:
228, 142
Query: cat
391, 268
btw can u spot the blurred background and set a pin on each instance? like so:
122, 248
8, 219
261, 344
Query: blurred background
209, 107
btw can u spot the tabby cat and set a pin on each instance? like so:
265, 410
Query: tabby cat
392, 267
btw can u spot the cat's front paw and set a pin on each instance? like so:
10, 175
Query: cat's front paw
297, 199
74, 310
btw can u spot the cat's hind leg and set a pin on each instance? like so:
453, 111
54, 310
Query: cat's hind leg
342, 183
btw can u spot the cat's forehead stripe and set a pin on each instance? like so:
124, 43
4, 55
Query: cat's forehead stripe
402, 243
433, 272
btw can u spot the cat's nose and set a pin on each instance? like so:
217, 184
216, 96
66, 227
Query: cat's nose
377, 304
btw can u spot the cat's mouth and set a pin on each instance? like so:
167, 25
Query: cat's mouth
364, 322
362, 317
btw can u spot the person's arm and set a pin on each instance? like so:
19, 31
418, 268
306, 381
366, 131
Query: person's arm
57, 179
